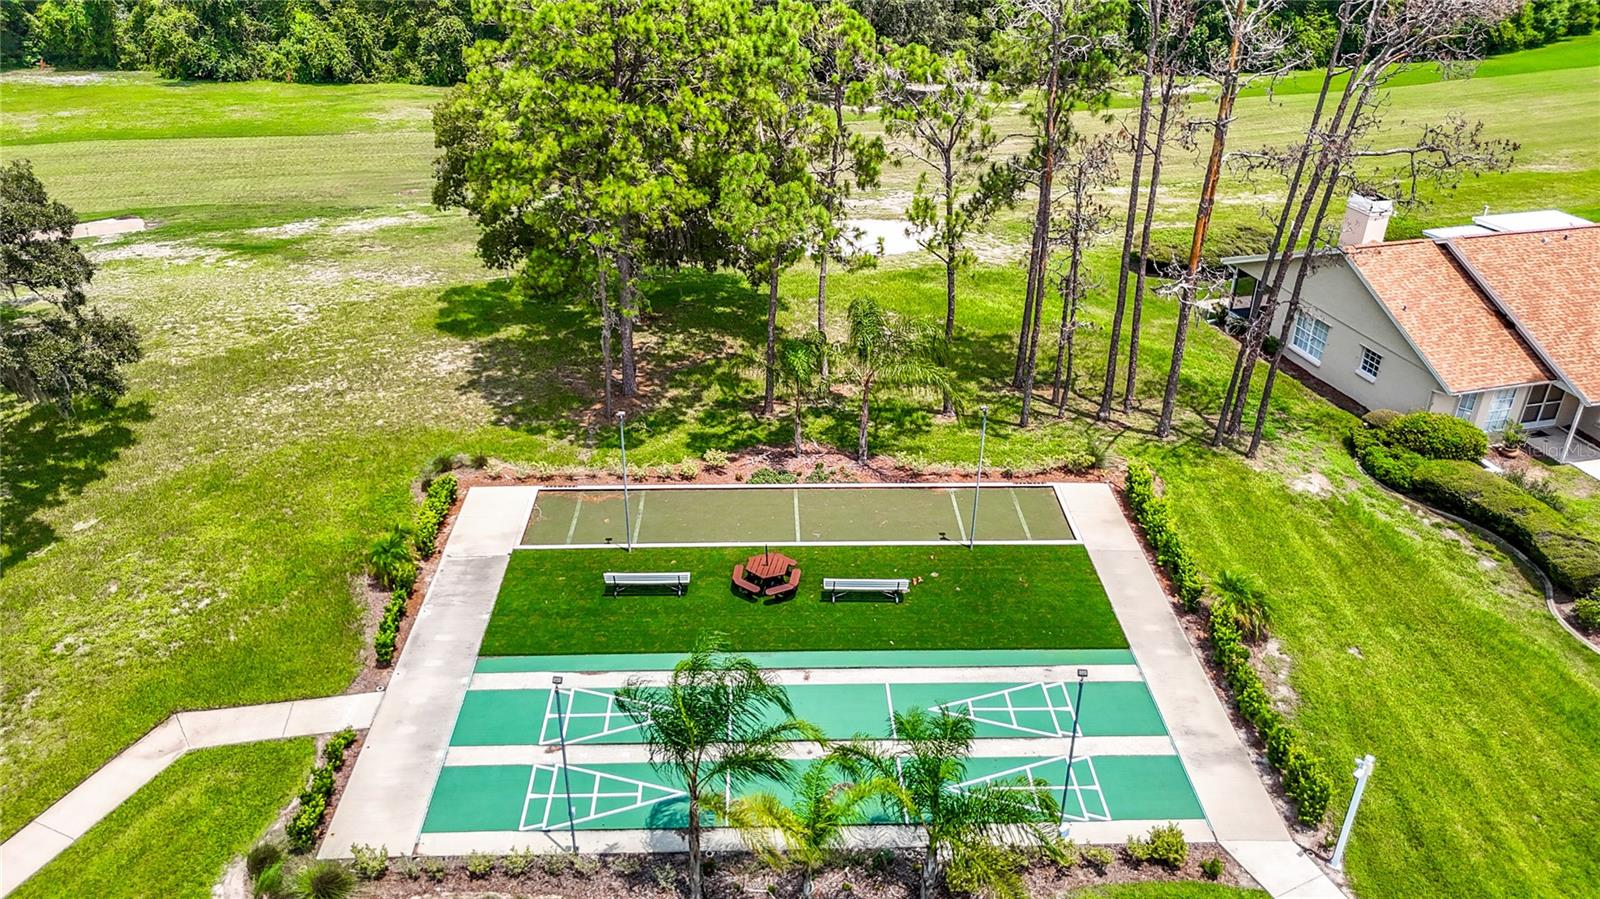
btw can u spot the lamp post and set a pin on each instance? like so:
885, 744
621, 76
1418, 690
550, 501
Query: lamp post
1072, 744
977, 482
627, 515
566, 772
1362, 773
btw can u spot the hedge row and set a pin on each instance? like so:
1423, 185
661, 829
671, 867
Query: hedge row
314, 799
1570, 558
389, 629
1305, 781
435, 506
1153, 515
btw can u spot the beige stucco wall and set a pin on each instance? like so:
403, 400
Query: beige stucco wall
1335, 295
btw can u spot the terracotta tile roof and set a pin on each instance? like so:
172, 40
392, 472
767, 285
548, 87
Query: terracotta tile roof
1455, 327
1549, 282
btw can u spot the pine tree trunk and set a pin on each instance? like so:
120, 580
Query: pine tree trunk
822, 304
772, 340
627, 301
949, 316
604, 298
1062, 388
1167, 98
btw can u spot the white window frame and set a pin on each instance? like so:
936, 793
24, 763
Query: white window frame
1361, 364
1501, 402
1311, 322
1467, 406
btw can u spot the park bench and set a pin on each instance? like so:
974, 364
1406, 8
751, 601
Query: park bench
895, 588
742, 581
617, 581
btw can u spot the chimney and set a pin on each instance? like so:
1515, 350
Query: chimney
1365, 220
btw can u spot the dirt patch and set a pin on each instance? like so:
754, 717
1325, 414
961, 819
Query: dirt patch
1313, 482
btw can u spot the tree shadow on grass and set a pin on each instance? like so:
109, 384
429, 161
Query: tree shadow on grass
49, 459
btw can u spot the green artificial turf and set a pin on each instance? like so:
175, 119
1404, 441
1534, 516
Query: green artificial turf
174, 836
990, 597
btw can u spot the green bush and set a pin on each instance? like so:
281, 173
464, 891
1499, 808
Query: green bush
435, 508
1381, 419
302, 828
333, 752
480, 865
715, 458
1097, 857
1164, 845
1570, 558
391, 561
433, 868
261, 857
1390, 465
519, 862
1156, 519
1434, 435
1587, 611
318, 794
383, 642
765, 475
369, 863
1211, 868
1306, 783
325, 879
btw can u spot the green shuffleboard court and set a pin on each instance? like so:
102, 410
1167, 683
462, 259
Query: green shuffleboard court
1000, 709
994, 597
789, 515
629, 795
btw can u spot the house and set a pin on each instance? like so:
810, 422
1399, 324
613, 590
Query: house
1493, 322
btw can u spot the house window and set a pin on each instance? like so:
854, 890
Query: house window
1310, 336
1544, 401
1369, 364
1466, 405
1500, 408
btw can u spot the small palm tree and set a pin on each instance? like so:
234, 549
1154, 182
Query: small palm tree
798, 367
1246, 601
802, 835
883, 350
712, 727
968, 827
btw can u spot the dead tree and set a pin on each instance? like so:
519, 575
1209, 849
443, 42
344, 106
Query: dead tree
1091, 166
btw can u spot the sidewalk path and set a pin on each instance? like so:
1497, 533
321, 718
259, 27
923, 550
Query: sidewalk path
1236, 803
42, 839
387, 797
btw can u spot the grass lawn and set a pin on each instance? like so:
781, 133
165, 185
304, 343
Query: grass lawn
989, 597
315, 332
174, 836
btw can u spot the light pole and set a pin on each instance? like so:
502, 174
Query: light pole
1072, 744
1362, 773
977, 482
627, 515
566, 772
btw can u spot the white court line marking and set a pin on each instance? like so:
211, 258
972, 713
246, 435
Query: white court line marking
888, 696
1026, 532
597, 793
961, 526
638, 517
796, 495
572, 528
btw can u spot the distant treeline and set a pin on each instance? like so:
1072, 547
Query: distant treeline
421, 41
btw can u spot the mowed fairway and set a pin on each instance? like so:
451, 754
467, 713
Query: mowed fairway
989, 597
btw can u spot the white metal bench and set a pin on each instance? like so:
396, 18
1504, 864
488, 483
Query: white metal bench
617, 581
895, 588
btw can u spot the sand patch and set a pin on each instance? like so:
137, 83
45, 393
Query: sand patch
292, 229
365, 225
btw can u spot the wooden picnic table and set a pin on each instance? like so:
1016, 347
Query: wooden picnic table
769, 566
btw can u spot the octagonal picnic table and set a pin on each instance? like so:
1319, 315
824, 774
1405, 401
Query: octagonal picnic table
767, 574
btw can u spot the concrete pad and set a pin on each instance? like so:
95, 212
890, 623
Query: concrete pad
1283, 869
387, 797
491, 521
28, 850
331, 713
118, 779
242, 724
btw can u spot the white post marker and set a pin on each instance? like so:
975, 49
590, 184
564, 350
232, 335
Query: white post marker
627, 517
1361, 774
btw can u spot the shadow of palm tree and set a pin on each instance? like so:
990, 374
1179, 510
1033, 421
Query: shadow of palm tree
49, 459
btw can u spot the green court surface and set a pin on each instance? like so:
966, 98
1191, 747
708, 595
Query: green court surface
785, 515
990, 597
612, 796
860, 658
840, 711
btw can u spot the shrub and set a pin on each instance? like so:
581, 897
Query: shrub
270, 883
585, 865
433, 868
369, 863
333, 752
1307, 784
441, 495
302, 828
715, 458
1570, 558
554, 864
261, 857
766, 475
625, 865
383, 642
1381, 419
1514, 435
480, 865
408, 868
687, 470
1539, 489
326, 879
391, 561
518, 862
1211, 868
1434, 435
1164, 845
1154, 517
1097, 857
315, 798
1586, 611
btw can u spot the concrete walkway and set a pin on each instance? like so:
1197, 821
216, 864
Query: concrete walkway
1237, 805
387, 797
48, 835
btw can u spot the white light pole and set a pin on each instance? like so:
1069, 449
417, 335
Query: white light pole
1362, 773
977, 482
627, 516
566, 772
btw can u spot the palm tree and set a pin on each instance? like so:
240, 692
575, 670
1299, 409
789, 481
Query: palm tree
802, 835
711, 726
1245, 599
883, 350
966, 825
797, 367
